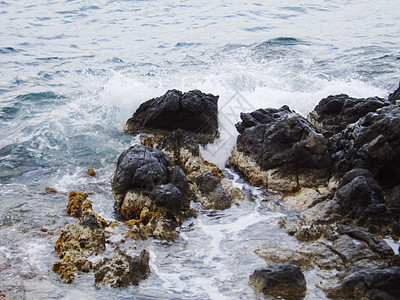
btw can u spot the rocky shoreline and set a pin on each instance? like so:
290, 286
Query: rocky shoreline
338, 170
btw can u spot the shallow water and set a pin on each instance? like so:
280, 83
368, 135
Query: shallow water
72, 73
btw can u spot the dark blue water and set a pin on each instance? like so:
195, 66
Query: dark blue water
72, 73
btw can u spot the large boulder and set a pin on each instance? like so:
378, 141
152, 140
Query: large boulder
282, 280
280, 149
335, 113
192, 111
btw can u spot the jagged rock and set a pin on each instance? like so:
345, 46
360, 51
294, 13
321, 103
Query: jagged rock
393, 97
335, 113
167, 196
183, 150
372, 143
149, 191
284, 146
193, 111
121, 270
280, 280
367, 283
361, 199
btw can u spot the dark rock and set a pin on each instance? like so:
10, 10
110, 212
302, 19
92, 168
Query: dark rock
167, 196
285, 144
372, 143
193, 111
377, 245
141, 168
366, 283
212, 195
393, 97
178, 178
280, 280
335, 113
361, 200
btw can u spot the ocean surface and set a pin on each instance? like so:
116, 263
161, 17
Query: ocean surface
72, 72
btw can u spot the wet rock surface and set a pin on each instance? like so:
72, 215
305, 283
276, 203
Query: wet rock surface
286, 148
282, 280
339, 224
206, 182
150, 192
121, 270
192, 111
80, 242
367, 283
335, 113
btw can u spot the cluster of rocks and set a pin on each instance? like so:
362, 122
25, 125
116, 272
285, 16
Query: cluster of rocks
339, 171
155, 182
82, 241
153, 186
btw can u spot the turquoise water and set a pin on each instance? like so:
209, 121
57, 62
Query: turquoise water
72, 73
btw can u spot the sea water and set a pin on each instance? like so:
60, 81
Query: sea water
72, 72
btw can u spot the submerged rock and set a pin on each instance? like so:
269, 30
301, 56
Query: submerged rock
280, 280
282, 148
335, 113
192, 111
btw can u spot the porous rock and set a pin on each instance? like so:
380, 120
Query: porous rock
121, 270
288, 151
192, 111
282, 280
77, 242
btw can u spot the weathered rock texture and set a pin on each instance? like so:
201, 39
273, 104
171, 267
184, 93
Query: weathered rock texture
85, 238
282, 280
193, 111
279, 149
367, 283
150, 192
338, 224
121, 270
335, 113
207, 183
